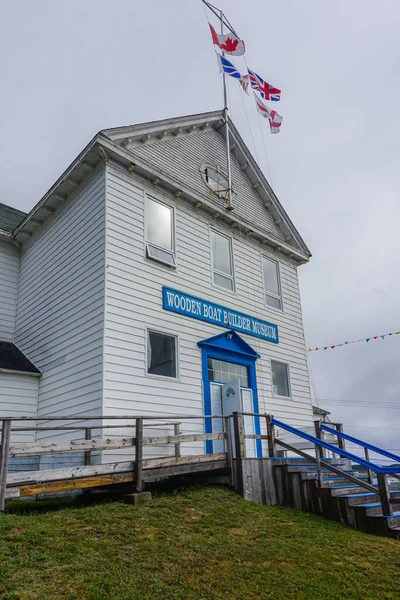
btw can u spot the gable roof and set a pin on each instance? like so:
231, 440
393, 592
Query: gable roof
10, 217
230, 340
140, 140
121, 145
12, 359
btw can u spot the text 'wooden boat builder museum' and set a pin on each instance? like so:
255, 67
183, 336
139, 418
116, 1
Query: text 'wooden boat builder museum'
133, 287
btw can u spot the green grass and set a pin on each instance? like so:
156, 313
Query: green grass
196, 544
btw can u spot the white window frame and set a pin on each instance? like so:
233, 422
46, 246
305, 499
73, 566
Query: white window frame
232, 277
147, 342
223, 193
280, 362
150, 245
266, 292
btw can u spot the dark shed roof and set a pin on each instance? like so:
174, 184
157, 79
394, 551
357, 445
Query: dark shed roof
12, 359
10, 217
320, 411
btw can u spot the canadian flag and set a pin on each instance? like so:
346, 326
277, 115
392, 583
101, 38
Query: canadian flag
275, 120
229, 43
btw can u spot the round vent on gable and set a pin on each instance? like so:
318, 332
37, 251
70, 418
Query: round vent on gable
216, 180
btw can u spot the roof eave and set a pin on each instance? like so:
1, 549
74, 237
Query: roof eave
5, 234
270, 194
128, 159
45, 200
117, 134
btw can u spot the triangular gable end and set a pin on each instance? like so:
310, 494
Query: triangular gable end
230, 341
167, 145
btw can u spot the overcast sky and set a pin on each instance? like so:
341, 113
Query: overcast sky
71, 68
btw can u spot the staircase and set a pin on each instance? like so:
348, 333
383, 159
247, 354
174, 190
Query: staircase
298, 486
331, 481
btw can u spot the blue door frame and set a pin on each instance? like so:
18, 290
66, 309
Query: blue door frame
229, 346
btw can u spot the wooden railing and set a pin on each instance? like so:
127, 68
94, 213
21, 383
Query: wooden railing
139, 470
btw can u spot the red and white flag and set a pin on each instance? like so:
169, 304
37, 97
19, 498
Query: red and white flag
229, 43
275, 120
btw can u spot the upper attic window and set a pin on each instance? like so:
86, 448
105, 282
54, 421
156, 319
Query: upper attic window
216, 180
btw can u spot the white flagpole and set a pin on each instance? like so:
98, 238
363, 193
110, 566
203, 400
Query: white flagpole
228, 151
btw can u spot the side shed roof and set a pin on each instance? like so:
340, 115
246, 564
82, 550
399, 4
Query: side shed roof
10, 217
12, 359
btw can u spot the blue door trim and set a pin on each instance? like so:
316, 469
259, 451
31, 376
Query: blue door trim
231, 347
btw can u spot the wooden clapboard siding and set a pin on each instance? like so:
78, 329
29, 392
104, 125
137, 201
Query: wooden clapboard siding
134, 302
9, 273
19, 397
60, 308
182, 157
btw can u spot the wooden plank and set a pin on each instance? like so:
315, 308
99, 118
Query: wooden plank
4, 454
88, 454
12, 493
177, 433
75, 484
153, 463
239, 451
48, 475
229, 449
139, 456
387, 508
158, 474
174, 439
271, 435
74, 446
111, 479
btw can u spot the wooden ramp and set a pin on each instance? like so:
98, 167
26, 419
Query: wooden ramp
141, 467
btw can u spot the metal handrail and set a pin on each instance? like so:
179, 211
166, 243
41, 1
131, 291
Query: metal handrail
359, 442
335, 449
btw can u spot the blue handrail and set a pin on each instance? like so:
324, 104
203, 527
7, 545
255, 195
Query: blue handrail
350, 438
335, 449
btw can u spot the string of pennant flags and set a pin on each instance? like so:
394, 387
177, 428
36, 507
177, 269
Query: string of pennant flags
374, 337
262, 90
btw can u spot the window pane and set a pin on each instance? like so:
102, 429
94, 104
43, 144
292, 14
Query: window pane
215, 179
271, 301
280, 379
223, 281
271, 282
161, 354
224, 372
161, 255
159, 224
221, 252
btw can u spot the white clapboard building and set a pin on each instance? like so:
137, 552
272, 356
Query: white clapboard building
131, 288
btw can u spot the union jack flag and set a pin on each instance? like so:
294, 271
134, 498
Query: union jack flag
266, 90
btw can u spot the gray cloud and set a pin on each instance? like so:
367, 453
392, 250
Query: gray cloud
74, 68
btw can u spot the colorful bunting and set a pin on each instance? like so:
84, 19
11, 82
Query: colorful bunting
375, 337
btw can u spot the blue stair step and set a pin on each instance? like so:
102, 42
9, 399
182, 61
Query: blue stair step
361, 495
365, 494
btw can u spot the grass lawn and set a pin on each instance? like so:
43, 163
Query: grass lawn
196, 544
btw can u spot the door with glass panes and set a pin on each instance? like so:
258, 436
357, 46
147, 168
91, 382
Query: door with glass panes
221, 372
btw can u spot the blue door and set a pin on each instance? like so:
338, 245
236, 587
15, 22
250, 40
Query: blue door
227, 357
